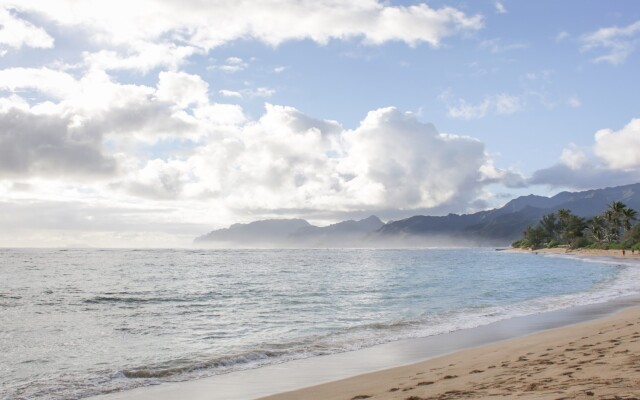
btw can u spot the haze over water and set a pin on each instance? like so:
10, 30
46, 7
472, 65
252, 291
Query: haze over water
75, 323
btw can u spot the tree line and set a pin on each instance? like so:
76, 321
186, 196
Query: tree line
612, 229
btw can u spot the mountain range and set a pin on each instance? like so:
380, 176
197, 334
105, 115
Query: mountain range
497, 227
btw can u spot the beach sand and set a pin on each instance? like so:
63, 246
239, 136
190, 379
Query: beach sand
593, 360
582, 252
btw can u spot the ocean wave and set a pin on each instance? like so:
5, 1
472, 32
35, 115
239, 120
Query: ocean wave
149, 324
151, 299
166, 370
374, 333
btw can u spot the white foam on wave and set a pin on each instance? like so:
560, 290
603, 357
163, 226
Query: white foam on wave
624, 283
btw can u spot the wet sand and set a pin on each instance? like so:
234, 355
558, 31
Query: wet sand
593, 360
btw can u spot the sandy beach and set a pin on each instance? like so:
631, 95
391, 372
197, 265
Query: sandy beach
582, 252
593, 360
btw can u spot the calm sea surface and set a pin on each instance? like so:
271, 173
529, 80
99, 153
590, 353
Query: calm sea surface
75, 323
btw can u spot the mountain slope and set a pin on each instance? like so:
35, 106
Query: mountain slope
500, 226
503, 225
263, 233
346, 233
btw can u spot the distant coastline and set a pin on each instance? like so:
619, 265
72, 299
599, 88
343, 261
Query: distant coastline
489, 228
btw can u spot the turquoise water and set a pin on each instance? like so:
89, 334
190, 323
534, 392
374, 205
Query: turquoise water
75, 323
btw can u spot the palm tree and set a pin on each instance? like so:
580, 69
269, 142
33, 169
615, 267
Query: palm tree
563, 220
614, 216
550, 225
612, 223
628, 216
597, 228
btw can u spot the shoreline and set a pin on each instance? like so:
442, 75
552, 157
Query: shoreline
530, 357
590, 360
581, 252
341, 375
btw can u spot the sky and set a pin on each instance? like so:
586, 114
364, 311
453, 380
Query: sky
146, 123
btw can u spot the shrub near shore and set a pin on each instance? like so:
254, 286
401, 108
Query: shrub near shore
612, 229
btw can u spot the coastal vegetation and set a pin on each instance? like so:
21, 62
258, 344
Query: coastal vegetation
614, 228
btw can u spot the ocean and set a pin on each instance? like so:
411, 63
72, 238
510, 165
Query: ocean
80, 322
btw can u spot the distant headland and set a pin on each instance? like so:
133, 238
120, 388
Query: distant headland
498, 227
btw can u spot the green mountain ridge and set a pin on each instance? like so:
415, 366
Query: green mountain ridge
497, 227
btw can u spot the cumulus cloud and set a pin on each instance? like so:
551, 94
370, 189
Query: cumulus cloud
284, 160
617, 43
573, 157
507, 177
619, 149
398, 161
81, 126
49, 82
499, 104
94, 102
500, 8
141, 56
172, 30
220, 114
47, 145
615, 160
289, 161
15, 32
182, 88
165, 141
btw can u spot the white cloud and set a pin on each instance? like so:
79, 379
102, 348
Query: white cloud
49, 145
230, 93
166, 142
142, 56
279, 69
398, 162
615, 161
47, 81
221, 114
16, 32
233, 64
500, 8
289, 161
619, 149
573, 157
496, 46
249, 93
284, 160
562, 35
574, 102
507, 104
172, 30
260, 92
499, 104
182, 89
618, 43
97, 104
507, 177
